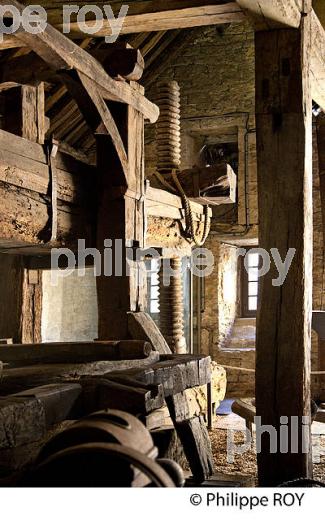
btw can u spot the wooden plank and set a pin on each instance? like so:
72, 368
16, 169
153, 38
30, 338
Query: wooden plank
284, 159
24, 221
161, 203
141, 326
24, 164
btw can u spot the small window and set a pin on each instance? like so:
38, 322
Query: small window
153, 289
250, 284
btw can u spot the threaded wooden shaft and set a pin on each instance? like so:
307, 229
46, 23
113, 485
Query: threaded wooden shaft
172, 305
168, 128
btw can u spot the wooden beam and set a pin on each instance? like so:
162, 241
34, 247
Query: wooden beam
25, 183
284, 159
320, 125
61, 53
317, 61
149, 16
11, 291
168, 15
273, 14
54, 353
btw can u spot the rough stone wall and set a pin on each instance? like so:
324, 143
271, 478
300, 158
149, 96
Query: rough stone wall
69, 310
220, 294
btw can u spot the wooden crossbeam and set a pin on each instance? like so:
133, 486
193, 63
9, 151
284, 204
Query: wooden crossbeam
170, 16
61, 53
146, 16
273, 14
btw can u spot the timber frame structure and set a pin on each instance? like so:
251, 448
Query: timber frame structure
61, 195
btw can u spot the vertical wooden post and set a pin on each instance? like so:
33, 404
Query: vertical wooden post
321, 166
120, 218
32, 307
11, 291
284, 157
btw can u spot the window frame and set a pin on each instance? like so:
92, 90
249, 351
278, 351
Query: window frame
245, 311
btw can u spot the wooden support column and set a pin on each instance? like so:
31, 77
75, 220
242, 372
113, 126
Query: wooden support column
321, 166
284, 156
21, 301
23, 111
11, 291
120, 219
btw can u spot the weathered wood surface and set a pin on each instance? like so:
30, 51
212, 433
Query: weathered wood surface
284, 159
273, 14
24, 164
212, 185
58, 401
195, 439
121, 218
68, 353
25, 184
317, 318
142, 327
25, 417
22, 378
161, 203
99, 394
61, 53
149, 16
25, 192
11, 289
317, 61
175, 373
120, 60
72, 391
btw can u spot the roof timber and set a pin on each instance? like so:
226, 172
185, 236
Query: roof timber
61, 53
144, 16
273, 14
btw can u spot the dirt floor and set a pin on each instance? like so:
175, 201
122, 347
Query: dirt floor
246, 464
